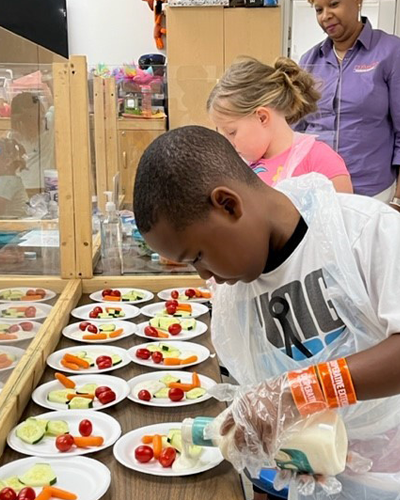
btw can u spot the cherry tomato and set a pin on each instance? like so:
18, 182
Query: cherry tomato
8, 494
27, 494
31, 292
171, 303
176, 394
175, 294
102, 388
85, 428
92, 329
104, 359
84, 325
144, 454
175, 329
115, 293
40, 291
93, 315
143, 353
144, 395
190, 293
30, 312
64, 442
107, 397
157, 357
150, 331
105, 292
13, 328
171, 309
27, 326
98, 310
167, 457
104, 365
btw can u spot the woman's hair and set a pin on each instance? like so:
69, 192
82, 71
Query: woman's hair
249, 84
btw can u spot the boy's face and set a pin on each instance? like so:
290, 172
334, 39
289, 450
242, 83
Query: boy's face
228, 245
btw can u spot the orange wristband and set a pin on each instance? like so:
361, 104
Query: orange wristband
306, 391
336, 383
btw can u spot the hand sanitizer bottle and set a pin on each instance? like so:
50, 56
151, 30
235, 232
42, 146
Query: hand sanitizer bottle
111, 239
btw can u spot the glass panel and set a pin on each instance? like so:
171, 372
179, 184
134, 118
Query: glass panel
29, 237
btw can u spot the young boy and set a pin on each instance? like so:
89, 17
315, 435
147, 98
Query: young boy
311, 314
13, 197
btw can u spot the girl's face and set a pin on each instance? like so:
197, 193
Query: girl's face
338, 18
249, 135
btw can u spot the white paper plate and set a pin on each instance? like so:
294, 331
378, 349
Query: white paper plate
14, 351
93, 351
124, 452
21, 334
103, 425
152, 309
184, 335
82, 312
89, 479
166, 294
49, 294
191, 348
42, 311
97, 296
74, 333
185, 377
118, 385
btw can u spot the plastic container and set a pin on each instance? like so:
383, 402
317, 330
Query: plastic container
316, 445
111, 239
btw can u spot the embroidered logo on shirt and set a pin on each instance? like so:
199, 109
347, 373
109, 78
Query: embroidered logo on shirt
277, 176
258, 169
365, 68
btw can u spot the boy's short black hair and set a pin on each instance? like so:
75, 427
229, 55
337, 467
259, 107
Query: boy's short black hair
177, 173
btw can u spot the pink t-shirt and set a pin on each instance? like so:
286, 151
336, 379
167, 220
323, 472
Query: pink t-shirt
321, 158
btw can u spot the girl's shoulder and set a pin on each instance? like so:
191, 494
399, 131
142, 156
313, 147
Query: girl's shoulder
325, 160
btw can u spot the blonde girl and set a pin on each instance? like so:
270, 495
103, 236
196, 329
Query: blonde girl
253, 106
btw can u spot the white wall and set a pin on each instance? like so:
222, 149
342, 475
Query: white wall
110, 31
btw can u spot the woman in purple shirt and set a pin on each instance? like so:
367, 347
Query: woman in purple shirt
359, 111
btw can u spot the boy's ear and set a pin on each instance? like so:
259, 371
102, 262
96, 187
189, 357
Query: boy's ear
228, 201
263, 115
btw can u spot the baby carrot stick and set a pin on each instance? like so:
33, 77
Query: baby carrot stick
161, 334
45, 494
195, 380
70, 366
95, 336
147, 439
184, 307
70, 358
206, 295
178, 385
157, 445
111, 298
172, 361
190, 359
65, 381
199, 293
29, 298
116, 333
87, 396
84, 442
58, 493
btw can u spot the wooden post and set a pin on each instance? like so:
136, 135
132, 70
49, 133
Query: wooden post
100, 140
81, 165
111, 130
63, 148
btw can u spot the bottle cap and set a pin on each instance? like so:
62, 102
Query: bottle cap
110, 205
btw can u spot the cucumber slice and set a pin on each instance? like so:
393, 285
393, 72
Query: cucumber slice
39, 475
107, 327
14, 483
172, 353
116, 359
87, 389
164, 441
60, 397
81, 354
153, 322
41, 422
80, 404
168, 379
153, 348
165, 323
175, 440
197, 392
89, 360
162, 393
188, 324
172, 433
57, 428
30, 431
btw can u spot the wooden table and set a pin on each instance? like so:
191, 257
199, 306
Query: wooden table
221, 482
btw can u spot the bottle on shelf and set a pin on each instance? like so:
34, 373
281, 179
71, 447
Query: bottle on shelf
111, 239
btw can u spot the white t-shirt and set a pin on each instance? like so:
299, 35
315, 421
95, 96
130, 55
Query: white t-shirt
373, 231
12, 190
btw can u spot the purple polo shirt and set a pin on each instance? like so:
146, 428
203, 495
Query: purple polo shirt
359, 111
